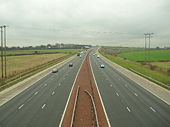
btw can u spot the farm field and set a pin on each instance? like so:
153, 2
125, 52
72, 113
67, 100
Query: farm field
158, 69
154, 55
43, 51
25, 63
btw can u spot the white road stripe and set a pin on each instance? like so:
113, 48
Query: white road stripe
36, 93
21, 106
61, 121
43, 106
135, 94
117, 94
53, 93
128, 109
152, 109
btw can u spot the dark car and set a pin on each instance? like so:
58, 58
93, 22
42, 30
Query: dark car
70, 65
55, 70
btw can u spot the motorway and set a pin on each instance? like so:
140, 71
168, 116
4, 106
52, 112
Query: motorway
126, 103
42, 104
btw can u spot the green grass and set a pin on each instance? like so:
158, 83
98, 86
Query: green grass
43, 51
141, 69
25, 74
153, 55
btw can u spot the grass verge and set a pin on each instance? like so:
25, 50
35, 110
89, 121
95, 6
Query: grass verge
157, 77
9, 82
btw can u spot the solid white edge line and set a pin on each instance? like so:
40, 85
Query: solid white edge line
62, 63
109, 62
100, 96
61, 121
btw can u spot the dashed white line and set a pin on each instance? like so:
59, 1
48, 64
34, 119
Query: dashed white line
152, 109
43, 106
21, 106
128, 109
53, 93
136, 94
36, 93
117, 94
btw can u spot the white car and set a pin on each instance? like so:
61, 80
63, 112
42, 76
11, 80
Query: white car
102, 66
98, 56
55, 70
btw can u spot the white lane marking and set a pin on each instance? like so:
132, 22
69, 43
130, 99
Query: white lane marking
59, 84
43, 106
109, 125
20, 106
45, 84
135, 94
53, 93
36, 93
61, 121
152, 109
128, 109
117, 94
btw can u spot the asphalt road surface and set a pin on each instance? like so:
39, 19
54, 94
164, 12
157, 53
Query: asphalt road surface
127, 104
42, 104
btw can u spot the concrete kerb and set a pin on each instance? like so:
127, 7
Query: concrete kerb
152, 87
14, 90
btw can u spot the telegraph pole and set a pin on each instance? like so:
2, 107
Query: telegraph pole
145, 46
147, 35
2, 60
5, 50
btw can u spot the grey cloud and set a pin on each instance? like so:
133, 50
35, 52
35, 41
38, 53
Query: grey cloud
105, 22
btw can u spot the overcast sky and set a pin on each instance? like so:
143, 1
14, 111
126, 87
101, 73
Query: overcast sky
102, 22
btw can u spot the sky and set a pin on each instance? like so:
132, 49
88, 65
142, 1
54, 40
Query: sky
95, 22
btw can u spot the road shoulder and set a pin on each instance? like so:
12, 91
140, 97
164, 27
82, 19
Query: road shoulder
14, 90
153, 88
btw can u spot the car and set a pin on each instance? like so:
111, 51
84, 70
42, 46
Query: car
55, 70
70, 65
98, 56
80, 56
102, 66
